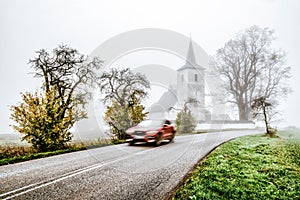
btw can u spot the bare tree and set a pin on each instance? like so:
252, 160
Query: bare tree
119, 84
252, 68
46, 117
123, 90
70, 72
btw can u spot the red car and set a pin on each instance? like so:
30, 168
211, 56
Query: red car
152, 131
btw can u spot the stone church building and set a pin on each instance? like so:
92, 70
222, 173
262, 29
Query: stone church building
190, 84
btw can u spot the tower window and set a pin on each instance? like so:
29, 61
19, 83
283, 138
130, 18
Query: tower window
182, 78
196, 77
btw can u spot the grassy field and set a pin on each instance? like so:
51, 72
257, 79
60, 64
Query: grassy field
12, 150
251, 167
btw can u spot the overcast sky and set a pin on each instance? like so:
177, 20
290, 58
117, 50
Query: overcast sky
30, 25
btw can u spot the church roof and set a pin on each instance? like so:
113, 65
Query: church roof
190, 62
169, 98
166, 101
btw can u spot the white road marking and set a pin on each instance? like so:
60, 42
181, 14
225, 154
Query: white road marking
31, 187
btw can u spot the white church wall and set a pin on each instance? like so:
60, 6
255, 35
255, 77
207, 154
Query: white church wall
224, 126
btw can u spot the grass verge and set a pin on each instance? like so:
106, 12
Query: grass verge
251, 167
31, 156
14, 153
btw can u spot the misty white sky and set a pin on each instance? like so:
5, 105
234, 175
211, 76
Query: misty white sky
27, 26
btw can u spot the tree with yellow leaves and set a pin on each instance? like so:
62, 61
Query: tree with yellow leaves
46, 117
123, 91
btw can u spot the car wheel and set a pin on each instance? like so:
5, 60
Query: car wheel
158, 139
172, 138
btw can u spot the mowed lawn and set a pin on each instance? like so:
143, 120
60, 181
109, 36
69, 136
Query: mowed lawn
250, 167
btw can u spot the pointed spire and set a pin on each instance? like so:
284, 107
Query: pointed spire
190, 62
190, 58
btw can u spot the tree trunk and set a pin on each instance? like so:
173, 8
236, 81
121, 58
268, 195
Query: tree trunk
266, 120
243, 112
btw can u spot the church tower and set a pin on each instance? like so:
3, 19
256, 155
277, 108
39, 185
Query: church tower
190, 84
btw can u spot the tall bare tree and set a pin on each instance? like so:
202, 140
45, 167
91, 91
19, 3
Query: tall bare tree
119, 84
252, 68
70, 72
45, 117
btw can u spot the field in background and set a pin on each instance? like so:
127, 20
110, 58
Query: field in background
13, 150
15, 138
11, 139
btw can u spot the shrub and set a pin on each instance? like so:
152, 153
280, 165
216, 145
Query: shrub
185, 122
40, 119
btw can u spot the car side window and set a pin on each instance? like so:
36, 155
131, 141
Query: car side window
167, 122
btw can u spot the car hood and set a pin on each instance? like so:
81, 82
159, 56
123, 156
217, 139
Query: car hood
144, 129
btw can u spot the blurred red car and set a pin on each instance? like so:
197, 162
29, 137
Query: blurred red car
152, 131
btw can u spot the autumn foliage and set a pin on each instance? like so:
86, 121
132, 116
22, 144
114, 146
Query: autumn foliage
123, 90
45, 117
39, 118
122, 117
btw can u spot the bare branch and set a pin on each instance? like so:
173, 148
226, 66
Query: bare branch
252, 68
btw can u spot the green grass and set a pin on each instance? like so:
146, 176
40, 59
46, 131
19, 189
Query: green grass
251, 167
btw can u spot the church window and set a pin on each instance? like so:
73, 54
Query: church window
182, 78
196, 77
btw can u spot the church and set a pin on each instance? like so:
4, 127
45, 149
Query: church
190, 84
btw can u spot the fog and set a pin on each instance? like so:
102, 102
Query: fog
27, 26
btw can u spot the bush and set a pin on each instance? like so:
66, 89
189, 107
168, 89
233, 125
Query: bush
185, 122
40, 119
122, 117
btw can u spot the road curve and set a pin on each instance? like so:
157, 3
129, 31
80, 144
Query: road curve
112, 172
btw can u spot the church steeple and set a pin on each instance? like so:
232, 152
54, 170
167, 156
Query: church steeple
191, 83
190, 62
190, 58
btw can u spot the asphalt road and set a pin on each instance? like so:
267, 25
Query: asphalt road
113, 172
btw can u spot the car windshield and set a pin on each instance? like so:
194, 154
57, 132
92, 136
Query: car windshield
150, 123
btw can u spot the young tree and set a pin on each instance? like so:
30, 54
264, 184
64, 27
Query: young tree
46, 117
263, 109
185, 121
252, 68
120, 118
123, 91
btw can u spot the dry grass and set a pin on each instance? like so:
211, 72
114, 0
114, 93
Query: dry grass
12, 151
